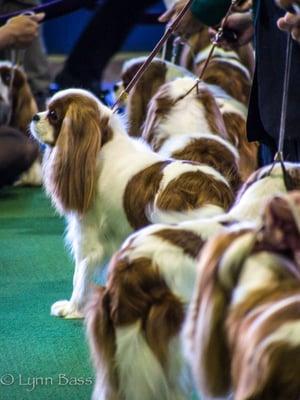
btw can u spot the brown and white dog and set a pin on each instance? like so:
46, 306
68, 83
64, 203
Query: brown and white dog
107, 183
159, 72
230, 81
242, 331
134, 323
191, 128
17, 107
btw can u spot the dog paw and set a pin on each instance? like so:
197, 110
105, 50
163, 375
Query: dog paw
66, 309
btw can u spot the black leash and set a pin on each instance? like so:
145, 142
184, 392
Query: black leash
169, 31
279, 157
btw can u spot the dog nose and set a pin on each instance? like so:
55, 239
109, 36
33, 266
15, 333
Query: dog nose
36, 118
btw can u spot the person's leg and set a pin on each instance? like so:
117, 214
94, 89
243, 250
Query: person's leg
17, 153
101, 39
291, 150
35, 58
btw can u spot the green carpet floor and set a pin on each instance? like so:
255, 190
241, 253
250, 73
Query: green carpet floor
41, 357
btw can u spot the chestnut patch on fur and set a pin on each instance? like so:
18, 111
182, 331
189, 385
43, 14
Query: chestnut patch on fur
159, 107
23, 103
137, 291
140, 191
229, 77
139, 97
294, 178
189, 242
214, 154
192, 190
212, 112
248, 151
162, 103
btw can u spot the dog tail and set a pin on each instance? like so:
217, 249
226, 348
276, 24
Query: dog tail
204, 332
133, 329
141, 376
266, 362
101, 335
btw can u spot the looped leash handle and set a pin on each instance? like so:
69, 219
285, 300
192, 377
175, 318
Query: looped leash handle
279, 155
288, 182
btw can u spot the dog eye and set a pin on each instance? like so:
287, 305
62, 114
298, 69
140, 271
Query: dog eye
6, 78
53, 116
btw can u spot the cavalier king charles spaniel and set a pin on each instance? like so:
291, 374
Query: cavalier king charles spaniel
107, 183
159, 72
230, 81
140, 312
242, 332
172, 117
190, 129
17, 107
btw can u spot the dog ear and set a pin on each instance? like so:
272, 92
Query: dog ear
101, 335
141, 94
149, 124
248, 151
77, 148
163, 322
159, 106
213, 114
24, 104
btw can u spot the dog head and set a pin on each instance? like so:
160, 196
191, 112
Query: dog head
17, 104
142, 92
170, 113
73, 128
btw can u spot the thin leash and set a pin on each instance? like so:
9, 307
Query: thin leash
169, 31
279, 157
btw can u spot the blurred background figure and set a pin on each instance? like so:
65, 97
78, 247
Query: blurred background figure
103, 36
270, 44
35, 58
17, 151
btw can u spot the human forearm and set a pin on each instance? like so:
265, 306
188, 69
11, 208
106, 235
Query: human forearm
20, 31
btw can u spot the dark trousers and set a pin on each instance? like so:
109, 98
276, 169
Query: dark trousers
102, 38
267, 89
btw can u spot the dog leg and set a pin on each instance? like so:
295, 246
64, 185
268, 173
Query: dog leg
88, 255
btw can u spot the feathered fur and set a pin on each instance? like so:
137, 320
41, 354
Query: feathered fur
243, 322
156, 270
107, 183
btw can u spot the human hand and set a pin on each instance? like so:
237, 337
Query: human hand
19, 31
241, 27
243, 6
290, 23
286, 4
188, 25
